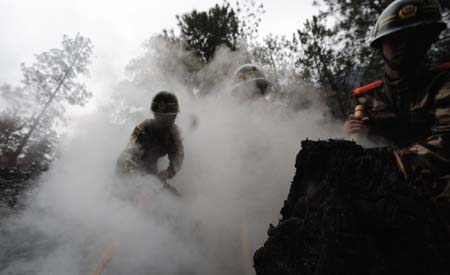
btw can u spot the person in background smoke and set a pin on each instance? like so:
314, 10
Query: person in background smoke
249, 82
410, 107
153, 139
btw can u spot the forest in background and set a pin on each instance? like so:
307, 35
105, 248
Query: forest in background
329, 54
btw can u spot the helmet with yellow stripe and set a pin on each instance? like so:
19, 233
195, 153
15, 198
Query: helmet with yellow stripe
401, 15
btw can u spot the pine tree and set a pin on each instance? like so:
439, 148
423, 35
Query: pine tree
205, 31
48, 85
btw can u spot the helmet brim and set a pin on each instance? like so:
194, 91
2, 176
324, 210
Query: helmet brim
438, 26
258, 79
166, 114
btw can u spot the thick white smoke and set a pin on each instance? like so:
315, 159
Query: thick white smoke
239, 162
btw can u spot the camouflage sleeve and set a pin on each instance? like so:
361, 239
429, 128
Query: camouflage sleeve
128, 162
176, 153
432, 155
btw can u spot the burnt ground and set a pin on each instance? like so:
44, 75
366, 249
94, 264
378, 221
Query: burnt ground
349, 211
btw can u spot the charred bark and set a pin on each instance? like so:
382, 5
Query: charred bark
349, 211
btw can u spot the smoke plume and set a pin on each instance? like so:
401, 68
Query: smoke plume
239, 163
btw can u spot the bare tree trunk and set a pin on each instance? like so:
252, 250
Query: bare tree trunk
36, 120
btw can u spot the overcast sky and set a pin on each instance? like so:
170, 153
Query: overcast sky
117, 29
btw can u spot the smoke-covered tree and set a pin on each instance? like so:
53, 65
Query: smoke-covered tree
39, 151
353, 24
335, 54
324, 63
183, 55
48, 84
11, 131
164, 59
278, 55
164, 65
206, 30
249, 13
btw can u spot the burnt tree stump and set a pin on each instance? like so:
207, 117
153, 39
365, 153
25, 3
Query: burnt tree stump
350, 211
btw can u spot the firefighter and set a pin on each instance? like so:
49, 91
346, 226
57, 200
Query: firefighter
410, 107
249, 82
153, 139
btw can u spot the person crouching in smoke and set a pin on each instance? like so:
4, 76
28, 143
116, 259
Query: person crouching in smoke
153, 139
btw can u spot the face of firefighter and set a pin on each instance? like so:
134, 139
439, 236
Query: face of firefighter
404, 51
164, 120
251, 90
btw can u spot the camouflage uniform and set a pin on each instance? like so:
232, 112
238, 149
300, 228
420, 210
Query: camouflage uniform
413, 114
149, 143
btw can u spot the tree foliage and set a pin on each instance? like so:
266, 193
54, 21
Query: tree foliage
249, 13
35, 107
164, 58
206, 30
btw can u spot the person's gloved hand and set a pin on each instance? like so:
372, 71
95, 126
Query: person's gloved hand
164, 175
130, 169
354, 125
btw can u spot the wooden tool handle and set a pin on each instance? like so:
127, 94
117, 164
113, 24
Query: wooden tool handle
358, 113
